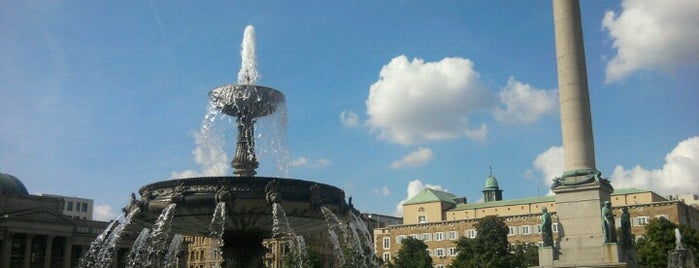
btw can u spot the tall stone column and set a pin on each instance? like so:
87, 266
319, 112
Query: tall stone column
581, 190
6, 253
28, 251
68, 252
47, 252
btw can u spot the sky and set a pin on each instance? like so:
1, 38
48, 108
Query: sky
383, 98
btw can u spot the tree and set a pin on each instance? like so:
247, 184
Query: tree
524, 255
488, 250
413, 254
660, 238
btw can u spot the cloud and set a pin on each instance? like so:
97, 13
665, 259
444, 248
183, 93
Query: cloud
652, 35
417, 101
384, 191
679, 174
349, 119
103, 213
305, 162
417, 158
524, 103
414, 188
550, 164
209, 153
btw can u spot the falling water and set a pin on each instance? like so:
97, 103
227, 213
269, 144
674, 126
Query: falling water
170, 260
216, 229
333, 230
281, 228
366, 238
90, 258
106, 254
137, 248
159, 236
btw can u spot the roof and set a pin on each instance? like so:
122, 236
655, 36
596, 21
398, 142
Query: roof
491, 183
11, 185
431, 195
531, 200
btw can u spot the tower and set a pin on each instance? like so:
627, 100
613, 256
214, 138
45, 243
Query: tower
580, 191
492, 191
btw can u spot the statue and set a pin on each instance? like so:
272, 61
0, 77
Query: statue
608, 223
626, 236
546, 230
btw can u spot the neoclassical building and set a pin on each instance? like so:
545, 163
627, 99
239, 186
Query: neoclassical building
440, 218
35, 232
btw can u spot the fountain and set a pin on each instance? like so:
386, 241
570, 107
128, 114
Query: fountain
238, 212
680, 257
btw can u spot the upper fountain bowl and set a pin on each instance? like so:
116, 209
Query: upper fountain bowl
246, 100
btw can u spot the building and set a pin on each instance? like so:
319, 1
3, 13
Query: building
440, 218
35, 231
75, 207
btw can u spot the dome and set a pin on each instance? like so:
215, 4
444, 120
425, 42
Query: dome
491, 182
11, 185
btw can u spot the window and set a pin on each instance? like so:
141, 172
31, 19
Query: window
641, 220
524, 229
69, 206
439, 266
452, 251
427, 237
554, 227
386, 242
416, 236
84, 208
513, 231
400, 238
538, 228
439, 252
471, 233
438, 236
452, 235
661, 216
421, 219
386, 257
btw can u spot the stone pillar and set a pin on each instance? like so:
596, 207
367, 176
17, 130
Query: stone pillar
68, 252
28, 251
6, 252
576, 122
47, 252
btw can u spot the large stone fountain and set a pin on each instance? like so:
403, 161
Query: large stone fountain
252, 204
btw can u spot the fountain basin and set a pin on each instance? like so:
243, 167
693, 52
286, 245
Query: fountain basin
248, 203
246, 100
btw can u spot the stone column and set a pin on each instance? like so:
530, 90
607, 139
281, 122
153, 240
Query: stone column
68, 252
47, 252
28, 251
576, 122
6, 253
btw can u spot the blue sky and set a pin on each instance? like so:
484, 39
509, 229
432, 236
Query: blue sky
384, 98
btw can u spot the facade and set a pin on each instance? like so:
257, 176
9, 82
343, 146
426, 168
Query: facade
34, 231
440, 219
75, 207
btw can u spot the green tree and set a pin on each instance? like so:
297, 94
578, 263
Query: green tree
524, 255
413, 254
488, 250
660, 238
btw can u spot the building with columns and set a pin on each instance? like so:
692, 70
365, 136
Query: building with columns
440, 218
34, 231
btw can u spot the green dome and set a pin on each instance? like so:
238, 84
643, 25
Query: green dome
491, 182
11, 185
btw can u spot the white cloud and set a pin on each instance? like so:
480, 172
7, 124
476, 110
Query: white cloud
305, 162
417, 101
652, 35
550, 164
414, 188
679, 174
349, 119
524, 103
103, 213
383, 191
209, 154
417, 158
